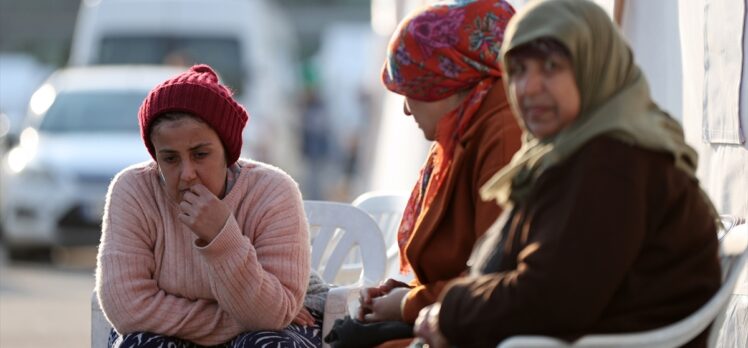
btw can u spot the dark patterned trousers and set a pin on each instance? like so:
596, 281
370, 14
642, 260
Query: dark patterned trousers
294, 336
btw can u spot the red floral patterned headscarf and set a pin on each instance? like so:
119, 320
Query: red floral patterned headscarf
438, 51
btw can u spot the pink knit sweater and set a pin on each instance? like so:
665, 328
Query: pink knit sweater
253, 275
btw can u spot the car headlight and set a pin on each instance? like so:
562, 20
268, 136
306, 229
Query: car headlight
20, 156
21, 166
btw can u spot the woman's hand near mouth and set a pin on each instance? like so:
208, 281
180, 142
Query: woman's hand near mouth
203, 213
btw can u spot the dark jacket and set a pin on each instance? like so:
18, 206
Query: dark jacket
614, 239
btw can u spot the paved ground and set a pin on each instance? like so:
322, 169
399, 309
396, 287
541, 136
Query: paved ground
45, 304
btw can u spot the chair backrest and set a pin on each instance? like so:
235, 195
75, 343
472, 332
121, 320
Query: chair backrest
728, 222
336, 229
387, 210
733, 258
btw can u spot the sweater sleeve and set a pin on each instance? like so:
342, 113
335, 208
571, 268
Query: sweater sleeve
129, 295
580, 244
262, 282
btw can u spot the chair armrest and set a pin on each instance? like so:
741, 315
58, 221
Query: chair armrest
100, 327
658, 338
341, 301
532, 342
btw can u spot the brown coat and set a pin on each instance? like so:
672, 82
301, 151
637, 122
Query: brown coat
615, 239
441, 245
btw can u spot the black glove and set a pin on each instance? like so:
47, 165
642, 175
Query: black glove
351, 333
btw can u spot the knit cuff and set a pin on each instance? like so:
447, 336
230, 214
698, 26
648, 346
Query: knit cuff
229, 242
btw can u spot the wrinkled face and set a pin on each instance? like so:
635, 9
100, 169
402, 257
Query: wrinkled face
428, 114
188, 152
547, 94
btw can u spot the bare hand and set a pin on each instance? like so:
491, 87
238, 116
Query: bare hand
203, 212
304, 318
427, 327
367, 296
387, 307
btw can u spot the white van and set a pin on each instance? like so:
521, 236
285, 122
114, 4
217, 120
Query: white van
249, 43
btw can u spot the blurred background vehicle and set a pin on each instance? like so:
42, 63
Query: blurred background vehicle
4, 144
290, 61
249, 42
4, 128
20, 75
80, 131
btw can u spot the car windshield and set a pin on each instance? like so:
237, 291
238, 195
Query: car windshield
221, 53
100, 111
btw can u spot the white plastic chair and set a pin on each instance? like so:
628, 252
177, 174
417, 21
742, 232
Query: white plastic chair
343, 226
335, 229
728, 222
733, 257
100, 326
387, 210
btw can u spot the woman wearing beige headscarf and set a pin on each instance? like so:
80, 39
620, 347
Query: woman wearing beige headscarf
605, 227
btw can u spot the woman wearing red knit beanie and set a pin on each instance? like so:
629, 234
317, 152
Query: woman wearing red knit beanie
199, 247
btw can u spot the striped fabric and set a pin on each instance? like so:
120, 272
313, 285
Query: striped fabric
294, 336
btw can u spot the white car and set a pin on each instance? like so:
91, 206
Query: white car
250, 43
81, 129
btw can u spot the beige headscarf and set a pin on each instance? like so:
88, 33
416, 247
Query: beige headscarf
614, 94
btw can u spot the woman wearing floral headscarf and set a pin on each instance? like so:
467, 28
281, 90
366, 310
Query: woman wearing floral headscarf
445, 60
606, 227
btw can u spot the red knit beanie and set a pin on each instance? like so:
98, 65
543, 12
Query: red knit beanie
197, 92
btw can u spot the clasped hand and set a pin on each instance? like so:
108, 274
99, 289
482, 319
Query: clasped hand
382, 303
203, 212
